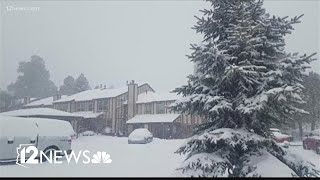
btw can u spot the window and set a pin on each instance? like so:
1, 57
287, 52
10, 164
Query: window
90, 106
62, 107
148, 108
102, 105
109, 122
80, 106
139, 109
160, 107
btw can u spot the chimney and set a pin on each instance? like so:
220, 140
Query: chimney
132, 98
26, 100
56, 97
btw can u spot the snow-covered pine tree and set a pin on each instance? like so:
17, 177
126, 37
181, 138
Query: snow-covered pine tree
244, 84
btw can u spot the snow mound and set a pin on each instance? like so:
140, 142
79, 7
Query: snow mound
88, 133
266, 165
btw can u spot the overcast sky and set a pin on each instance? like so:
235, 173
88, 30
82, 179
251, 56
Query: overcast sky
115, 41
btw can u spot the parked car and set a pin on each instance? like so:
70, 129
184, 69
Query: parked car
312, 141
280, 137
45, 134
88, 133
140, 136
107, 130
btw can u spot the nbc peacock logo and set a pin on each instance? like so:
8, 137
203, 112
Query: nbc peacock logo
101, 157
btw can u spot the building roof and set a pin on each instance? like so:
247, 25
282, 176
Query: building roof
156, 97
38, 112
88, 114
94, 94
20, 101
153, 118
44, 101
149, 96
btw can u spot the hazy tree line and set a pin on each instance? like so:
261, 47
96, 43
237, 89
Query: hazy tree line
311, 96
34, 81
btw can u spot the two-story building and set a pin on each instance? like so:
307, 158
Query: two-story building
105, 106
123, 110
152, 111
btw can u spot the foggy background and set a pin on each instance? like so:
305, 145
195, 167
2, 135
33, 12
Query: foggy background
115, 41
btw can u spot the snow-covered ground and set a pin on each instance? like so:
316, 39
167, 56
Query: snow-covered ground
307, 155
156, 159
128, 160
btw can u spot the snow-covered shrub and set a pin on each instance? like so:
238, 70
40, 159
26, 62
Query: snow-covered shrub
244, 84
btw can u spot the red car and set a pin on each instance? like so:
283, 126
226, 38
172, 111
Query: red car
280, 137
312, 141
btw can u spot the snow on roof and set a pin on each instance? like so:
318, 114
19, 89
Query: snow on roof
154, 97
21, 100
149, 96
44, 101
94, 94
153, 118
87, 114
38, 112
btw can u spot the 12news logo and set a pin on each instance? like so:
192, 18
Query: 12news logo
29, 154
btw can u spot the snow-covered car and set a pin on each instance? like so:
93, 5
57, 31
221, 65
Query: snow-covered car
140, 136
312, 141
274, 130
45, 134
88, 133
280, 137
107, 130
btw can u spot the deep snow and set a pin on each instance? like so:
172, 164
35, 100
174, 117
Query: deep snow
155, 159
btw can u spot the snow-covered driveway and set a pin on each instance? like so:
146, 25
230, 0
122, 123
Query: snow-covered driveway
156, 159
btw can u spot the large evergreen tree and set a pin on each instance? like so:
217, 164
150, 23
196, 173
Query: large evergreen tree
244, 84
33, 80
312, 97
68, 86
5, 100
81, 83
72, 86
